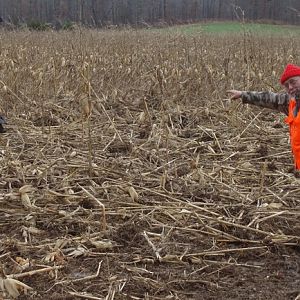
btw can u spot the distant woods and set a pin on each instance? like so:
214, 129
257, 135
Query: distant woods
145, 12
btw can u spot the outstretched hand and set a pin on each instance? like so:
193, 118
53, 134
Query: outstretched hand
234, 94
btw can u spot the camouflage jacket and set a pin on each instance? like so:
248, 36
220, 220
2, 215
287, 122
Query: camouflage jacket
271, 100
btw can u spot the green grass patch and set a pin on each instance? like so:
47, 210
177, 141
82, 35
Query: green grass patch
236, 28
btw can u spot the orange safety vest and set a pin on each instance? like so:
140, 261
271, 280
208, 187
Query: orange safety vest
294, 123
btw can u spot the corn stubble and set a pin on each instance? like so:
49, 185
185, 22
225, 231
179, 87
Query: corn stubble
137, 125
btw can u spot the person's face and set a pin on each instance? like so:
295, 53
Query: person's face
292, 85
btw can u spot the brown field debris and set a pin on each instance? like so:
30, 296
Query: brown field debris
126, 173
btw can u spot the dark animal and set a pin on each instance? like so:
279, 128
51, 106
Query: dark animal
2, 121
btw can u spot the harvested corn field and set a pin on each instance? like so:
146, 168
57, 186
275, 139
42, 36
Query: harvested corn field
126, 172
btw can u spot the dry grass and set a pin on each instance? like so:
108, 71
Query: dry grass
123, 154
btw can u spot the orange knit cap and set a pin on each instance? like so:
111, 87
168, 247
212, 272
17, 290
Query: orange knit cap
289, 71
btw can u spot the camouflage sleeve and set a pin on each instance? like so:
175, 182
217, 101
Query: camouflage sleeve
271, 100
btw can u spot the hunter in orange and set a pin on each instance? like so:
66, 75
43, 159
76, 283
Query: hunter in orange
287, 103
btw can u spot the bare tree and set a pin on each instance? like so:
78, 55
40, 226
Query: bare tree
102, 12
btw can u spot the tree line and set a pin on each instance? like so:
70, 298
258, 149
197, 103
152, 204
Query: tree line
141, 12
